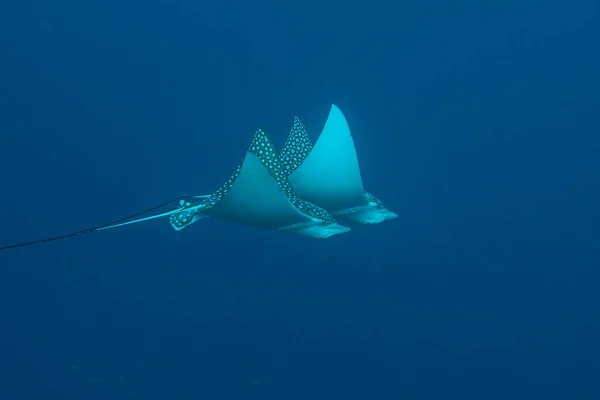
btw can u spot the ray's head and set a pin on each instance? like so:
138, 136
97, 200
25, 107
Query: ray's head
322, 230
376, 212
321, 224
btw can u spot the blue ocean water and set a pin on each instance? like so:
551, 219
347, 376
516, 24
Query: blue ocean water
476, 122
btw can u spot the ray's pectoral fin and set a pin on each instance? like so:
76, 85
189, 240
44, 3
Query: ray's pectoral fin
296, 148
328, 173
258, 194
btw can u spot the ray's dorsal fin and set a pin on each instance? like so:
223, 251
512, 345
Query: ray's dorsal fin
296, 148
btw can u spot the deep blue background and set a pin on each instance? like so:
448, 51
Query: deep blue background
477, 123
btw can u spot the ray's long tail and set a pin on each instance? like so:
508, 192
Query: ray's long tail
130, 219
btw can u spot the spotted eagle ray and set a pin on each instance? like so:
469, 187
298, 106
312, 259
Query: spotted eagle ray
257, 194
327, 173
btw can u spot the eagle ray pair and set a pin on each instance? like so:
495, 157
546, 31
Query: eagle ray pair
325, 175
301, 190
